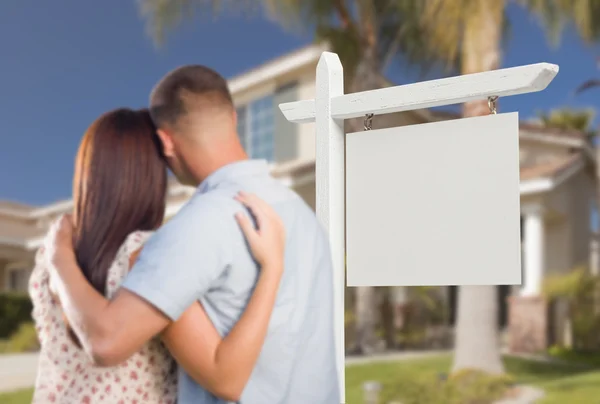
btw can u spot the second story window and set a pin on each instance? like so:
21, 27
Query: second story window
256, 128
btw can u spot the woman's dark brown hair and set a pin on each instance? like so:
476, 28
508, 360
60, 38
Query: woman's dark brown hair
119, 187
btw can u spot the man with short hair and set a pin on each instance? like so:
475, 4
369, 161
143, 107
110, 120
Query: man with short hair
201, 255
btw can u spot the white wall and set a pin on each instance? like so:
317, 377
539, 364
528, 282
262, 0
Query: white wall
306, 137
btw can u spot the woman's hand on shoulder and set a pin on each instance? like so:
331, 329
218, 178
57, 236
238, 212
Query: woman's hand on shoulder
267, 240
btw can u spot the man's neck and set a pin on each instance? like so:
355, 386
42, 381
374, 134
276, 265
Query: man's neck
215, 162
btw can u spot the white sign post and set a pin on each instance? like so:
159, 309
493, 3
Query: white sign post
429, 204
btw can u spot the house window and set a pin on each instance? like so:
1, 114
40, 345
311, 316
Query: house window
256, 128
17, 280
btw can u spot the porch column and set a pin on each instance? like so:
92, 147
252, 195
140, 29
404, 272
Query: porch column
527, 316
533, 227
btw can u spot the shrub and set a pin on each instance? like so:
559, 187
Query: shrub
464, 387
425, 319
15, 309
24, 340
589, 358
581, 290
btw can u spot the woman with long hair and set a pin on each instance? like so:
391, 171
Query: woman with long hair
119, 192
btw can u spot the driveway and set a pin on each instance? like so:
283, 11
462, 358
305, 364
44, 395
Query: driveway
17, 371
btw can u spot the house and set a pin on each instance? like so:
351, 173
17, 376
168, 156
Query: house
557, 189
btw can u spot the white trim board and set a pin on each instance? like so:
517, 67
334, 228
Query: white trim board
276, 68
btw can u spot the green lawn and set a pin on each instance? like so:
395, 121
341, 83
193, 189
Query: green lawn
18, 397
563, 384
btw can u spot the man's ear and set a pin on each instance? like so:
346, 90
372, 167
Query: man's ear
167, 142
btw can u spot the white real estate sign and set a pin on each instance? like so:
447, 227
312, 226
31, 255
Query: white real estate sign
434, 204
430, 204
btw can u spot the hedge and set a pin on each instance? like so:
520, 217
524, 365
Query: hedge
15, 309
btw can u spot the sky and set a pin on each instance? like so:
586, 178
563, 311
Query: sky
64, 63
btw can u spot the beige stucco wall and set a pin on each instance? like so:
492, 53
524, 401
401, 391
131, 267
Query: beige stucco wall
568, 224
559, 260
308, 193
534, 152
558, 246
581, 196
568, 239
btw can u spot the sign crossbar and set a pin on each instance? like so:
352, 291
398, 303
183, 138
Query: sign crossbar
429, 94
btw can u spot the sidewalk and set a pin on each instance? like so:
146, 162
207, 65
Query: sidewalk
393, 356
17, 371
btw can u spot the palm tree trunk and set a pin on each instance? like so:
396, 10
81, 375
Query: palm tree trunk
477, 343
366, 320
367, 76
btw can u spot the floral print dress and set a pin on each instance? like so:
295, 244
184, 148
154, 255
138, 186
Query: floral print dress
65, 373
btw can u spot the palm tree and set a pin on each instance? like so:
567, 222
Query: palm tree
569, 119
368, 34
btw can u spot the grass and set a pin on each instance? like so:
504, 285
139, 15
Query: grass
4, 346
562, 383
17, 397
582, 388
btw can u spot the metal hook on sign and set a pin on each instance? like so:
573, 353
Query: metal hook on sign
492, 104
368, 121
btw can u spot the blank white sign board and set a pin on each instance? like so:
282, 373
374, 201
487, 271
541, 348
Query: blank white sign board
434, 204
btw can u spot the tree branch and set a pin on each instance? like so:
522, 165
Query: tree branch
344, 14
368, 17
392, 49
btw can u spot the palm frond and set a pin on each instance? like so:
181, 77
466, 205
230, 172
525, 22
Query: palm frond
587, 85
302, 15
164, 15
550, 14
569, 119
555, 15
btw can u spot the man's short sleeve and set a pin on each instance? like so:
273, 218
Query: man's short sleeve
183, 258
